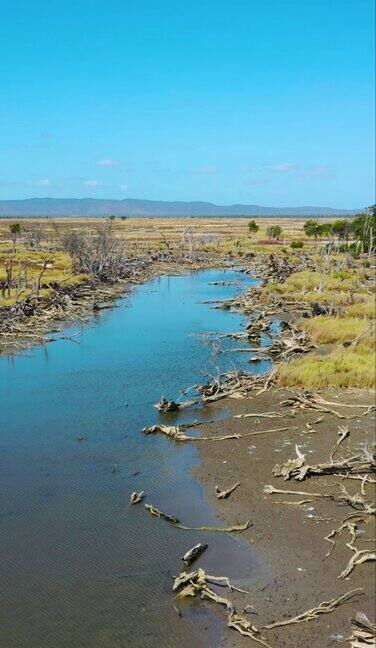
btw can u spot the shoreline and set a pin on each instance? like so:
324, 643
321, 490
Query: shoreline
290, 539
72, 306
288, 532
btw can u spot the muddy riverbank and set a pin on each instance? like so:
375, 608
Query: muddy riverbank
290, 538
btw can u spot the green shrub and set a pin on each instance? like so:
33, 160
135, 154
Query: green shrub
296, 245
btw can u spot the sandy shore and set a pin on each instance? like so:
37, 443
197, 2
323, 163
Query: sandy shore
290, 539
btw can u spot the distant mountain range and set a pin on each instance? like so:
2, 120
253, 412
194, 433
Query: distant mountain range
91, 207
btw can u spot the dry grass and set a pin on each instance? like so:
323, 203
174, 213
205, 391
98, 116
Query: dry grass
366, 309
327, 330
308, 281
343, 368
146, 233
344, 289
59, 271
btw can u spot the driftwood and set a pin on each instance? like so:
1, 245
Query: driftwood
154, 511
358, 558
194, 553
363, 632
270, 415
236, 528
356, 501
295, 342
173, 520
165, 405
223, 494
235, 384
176, 433
282, 429
245, 627
308, 400
323, 608
343, 433
299, 470
196, 583
200, 577
270, 490
350, 524
137, 497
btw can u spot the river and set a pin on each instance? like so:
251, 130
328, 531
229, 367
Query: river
79, 567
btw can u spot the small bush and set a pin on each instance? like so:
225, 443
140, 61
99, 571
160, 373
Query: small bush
296, 245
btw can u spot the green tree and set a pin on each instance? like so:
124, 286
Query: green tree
253, 227
364, 229
112, 217
342, 229
274, 232
312, 228
326, 229
15, 231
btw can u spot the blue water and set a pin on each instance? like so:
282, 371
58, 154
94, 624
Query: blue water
79, 567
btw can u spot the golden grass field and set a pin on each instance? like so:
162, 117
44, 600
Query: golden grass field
150, 231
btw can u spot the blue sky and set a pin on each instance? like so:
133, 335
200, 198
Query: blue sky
266, 102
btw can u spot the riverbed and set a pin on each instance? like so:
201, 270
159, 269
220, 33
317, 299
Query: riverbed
79, 566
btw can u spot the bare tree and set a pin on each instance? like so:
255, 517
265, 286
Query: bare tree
33, 236
99, 255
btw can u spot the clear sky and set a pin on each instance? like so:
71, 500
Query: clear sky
266, 102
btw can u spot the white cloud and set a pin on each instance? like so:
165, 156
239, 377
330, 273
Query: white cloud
285, 167
92, 183
44, 182
318, 171
107, 163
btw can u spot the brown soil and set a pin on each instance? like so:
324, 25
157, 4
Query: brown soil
290, 539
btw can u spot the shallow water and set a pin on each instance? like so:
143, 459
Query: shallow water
79, 567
